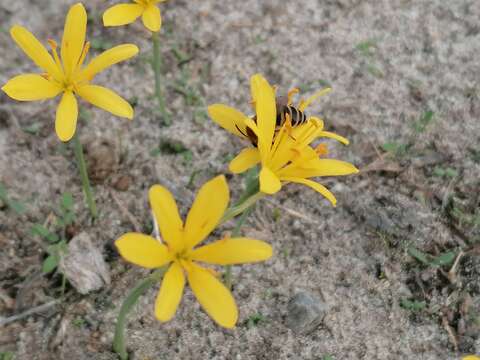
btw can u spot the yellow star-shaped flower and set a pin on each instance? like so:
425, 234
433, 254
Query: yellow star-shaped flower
66, 74
285, 154
181, 252
123, 14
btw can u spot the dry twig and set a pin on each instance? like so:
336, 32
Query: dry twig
27, 313
125, 212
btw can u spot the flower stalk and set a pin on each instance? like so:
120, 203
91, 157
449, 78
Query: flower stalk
157, 69
243, 208
82, 168
227, 276
119, 345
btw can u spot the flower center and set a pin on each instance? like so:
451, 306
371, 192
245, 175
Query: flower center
182, 255
71, 80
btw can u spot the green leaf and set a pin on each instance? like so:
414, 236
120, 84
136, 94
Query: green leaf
395, 148
420, 256
43, 232
413, 305
17, 206
50, 263
68, 218
33, 129
67, 201
421, 124
444, 259
6, 355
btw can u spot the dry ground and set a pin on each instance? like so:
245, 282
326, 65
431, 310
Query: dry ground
406, 79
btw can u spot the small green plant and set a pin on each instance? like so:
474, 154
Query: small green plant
412, 305
173, 147
33, 129
190, 90
395, 148
18, 207
367, 47
421, 124
474, 155
57, 244
100, 44
254, 320
446, 258
79, 322
445, 172
7, 355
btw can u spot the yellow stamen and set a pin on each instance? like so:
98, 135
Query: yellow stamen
281, 133
321, 149
86, 47
53, 45
306, 103
291, 93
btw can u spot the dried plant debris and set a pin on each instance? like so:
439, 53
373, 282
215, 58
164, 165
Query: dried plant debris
83, 265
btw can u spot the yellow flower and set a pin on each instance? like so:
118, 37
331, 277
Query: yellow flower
471, 357
67, 75
181, 253
123, 14
285, 154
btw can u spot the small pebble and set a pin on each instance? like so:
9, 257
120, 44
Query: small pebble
305, 313
84, 266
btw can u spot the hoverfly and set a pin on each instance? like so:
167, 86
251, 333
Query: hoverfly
284, 110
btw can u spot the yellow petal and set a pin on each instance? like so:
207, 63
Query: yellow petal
233, 251
170, 293
73, 37
319, 167
471, 357
30, 87
264, 97
269, 181
247, 158
35, 50
108, 58
143, 250
215, 298
166, 214
207, 210
122, 14
67, 114
151, 18
228, 118
315, 186
331, 135
106, 99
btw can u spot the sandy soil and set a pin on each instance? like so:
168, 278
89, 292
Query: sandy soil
406, 79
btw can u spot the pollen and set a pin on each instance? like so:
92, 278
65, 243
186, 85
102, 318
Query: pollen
321, 149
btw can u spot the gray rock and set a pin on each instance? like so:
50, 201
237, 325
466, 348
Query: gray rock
305, 313
84, 266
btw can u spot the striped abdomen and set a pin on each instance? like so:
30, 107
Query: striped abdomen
297, 117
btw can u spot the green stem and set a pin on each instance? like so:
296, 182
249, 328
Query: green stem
236, 233
82, 167
241, 208
157, 69
119, 345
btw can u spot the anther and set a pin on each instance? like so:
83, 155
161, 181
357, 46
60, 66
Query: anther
321, 149
290, 94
